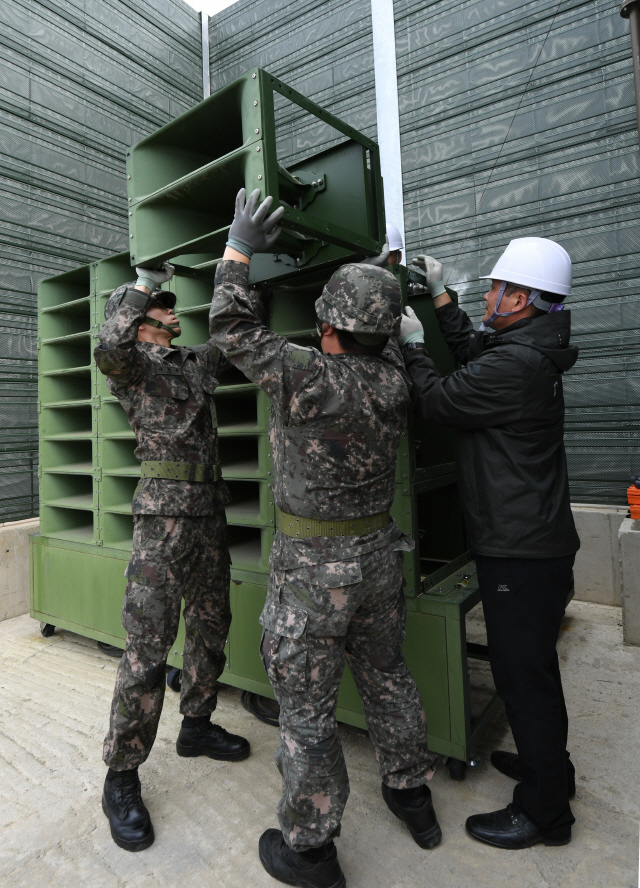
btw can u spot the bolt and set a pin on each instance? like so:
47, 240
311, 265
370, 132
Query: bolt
260, 176
253, 76
320, 181
314, 182
130, 235
257, 131
129, 200
128, 177
255, 104
130, 213
258, 148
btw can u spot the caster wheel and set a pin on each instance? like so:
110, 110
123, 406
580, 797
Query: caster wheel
263, 708
47, 630
174, 679
109, 649
457, 769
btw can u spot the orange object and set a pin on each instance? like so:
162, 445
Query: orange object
633, 496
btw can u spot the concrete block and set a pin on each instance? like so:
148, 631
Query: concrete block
629, 540
597, 568
14, 566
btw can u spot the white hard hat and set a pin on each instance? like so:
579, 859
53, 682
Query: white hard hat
537, 263
394, 237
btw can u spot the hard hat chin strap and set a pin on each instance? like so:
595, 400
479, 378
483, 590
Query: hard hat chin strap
170, 328
535, 294
549, 307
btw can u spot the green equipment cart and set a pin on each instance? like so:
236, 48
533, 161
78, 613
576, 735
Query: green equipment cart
182, 182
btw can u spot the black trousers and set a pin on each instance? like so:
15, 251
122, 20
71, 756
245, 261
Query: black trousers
524, 601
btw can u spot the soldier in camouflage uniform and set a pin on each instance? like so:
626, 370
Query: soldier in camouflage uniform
335, 589
179, 544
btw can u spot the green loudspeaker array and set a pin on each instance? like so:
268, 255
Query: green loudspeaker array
183, 180
67, 401
182, 185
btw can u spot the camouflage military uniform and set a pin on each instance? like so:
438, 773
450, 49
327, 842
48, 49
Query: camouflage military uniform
335, 428
179, 538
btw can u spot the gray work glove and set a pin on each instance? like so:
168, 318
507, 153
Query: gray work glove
153, 277
411, 329
379, 261
433, 271
251, 231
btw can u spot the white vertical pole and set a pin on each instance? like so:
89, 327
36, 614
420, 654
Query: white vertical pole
388, 116
206, 82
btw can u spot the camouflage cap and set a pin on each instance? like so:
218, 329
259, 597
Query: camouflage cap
364, 300
164, 298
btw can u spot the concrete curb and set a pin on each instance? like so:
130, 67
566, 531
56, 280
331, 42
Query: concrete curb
14, 566
629, 540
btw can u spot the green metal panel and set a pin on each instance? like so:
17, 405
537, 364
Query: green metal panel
183, 180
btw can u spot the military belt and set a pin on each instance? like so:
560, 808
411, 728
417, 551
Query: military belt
304, 528
181, 471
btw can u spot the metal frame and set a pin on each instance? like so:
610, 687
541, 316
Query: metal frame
169, 169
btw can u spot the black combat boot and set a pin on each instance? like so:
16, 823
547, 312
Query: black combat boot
415, 807
199, 737
316, 868
508, 763
510, 828
131, 826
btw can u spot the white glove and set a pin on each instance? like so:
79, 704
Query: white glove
153, 277
411, 329
433, 270
381, 260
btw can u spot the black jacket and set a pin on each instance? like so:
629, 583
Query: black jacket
507, 407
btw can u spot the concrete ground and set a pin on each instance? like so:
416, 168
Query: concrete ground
54, 700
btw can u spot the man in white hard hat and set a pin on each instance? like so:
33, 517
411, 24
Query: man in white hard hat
507, 407
391, 252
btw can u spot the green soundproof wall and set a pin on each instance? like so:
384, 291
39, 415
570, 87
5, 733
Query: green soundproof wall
520, 120
80, 81
515, 120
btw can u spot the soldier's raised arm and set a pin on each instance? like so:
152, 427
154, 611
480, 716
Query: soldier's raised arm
125, 312
235, 325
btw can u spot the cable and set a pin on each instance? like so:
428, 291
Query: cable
495, 163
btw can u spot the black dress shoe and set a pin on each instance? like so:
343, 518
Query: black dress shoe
508, 763
203, 738
509, 828
317, 868
415, 808
131, 826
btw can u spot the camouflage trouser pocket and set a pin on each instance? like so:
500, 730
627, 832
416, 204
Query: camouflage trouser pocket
284, 646
145, 599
